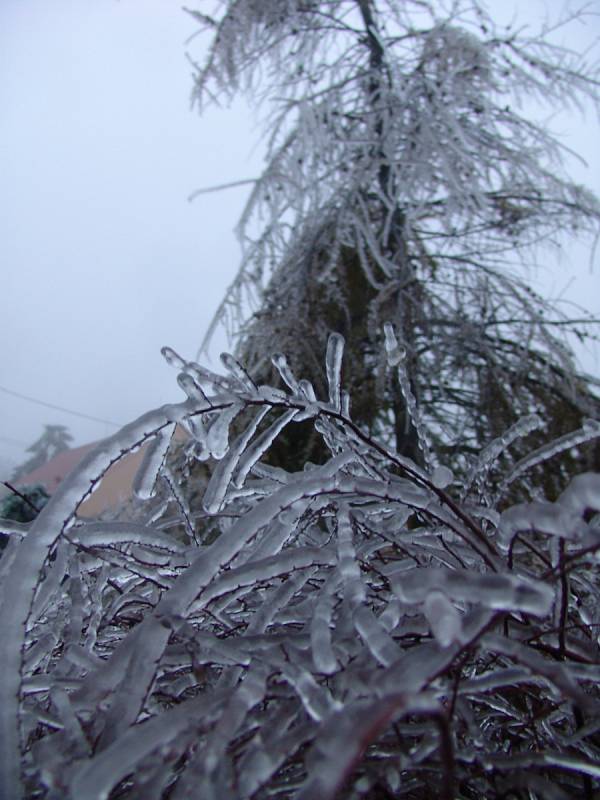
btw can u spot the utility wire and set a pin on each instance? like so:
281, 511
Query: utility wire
220, 188
58, 408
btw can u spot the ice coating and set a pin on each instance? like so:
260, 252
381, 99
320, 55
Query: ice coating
222, 475
317, 701
288, 561
374, 635
95, 778
307, 390
282, 366
395, 354
582, 493
261, 444
234, 367
319, 615
349, 569
324, 658
156, 451
21, 583
442, 477
443, 617
590, 430
173, 359
217, 439
550, 518
333, 365
192, 389
508, 591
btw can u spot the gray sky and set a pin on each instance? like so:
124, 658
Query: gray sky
102, 258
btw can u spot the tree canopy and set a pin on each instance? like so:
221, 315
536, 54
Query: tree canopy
403, 185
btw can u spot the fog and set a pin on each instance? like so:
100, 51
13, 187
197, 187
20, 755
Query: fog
103, 260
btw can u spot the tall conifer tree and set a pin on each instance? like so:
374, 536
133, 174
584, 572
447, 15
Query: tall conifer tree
402, 185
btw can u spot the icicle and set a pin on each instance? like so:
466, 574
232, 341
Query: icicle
308, 390
497, 679
349, 569
218, 434
270, 749
310, 411
346, 404
47, 589
443, 618
192, 389
156, 451
219, 483
75, 591
442, 477
39, 651
379, 642
390, 616
195, 426
490, 453
556, 674
72, 726
173, 359
278, 599
281, 365
340, 741
395, 354
233, 366
260, 446
273, 396
202, 375
320, 631
333, 365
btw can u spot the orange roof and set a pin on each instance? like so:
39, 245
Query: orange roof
54, 471
115, 488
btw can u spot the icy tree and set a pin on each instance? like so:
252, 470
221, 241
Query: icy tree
360, 628
403, 186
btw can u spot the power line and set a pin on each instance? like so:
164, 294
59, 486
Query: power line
220, 188
58, 408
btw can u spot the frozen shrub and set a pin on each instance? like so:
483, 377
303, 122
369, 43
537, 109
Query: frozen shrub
363, 627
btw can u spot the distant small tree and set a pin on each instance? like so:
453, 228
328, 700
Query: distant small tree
23, 504
54, 440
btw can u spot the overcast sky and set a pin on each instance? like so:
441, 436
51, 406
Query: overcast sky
103, 260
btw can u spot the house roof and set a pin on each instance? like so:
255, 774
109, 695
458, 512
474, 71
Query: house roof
115, 488
56, 470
